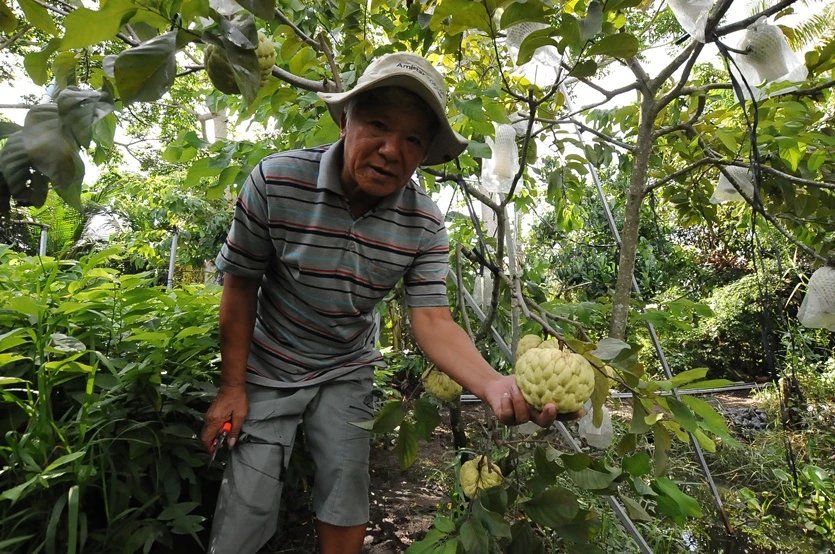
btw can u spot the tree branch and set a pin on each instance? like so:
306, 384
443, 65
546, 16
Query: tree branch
586, 128
302, 83
299, 33
685, 75
15, 106
12, 39
745, 23
700, 107
814, 90
687, 55
337, 78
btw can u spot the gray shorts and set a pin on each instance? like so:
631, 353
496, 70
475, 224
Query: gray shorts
246, 515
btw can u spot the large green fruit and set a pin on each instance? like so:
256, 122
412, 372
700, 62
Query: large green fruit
526, 343
479, 474
550, 375
220, 70
439, 384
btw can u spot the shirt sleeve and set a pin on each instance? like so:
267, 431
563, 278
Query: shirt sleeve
425, 281
248, 247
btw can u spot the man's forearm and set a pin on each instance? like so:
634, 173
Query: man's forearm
237, 321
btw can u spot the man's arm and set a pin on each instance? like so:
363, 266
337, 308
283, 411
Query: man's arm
237, 320
449, 347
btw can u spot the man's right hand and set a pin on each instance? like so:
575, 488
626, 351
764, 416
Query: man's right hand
230, 404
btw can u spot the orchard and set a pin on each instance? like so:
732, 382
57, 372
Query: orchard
643, 219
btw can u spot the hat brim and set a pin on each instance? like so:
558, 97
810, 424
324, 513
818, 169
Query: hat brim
445, 147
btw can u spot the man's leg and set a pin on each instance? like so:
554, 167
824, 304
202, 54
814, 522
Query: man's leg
340, 451
340, 540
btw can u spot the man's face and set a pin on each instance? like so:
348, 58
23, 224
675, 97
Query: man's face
384, 144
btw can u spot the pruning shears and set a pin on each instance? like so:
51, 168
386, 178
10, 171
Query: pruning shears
220, 440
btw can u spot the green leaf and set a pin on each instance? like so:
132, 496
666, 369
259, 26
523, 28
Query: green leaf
479, 150
471, 107
634, 509
81, 110
49, 148
682, 414
628, 443
406, 446
429, 544
265, 9
553, 508
689, 375
84, 27
38, 16
63, 460
584, 68
704, 441
463, 15
495, 524
535, 40
687, 504
36, 63
609, 349
638, 425
25, 184
427, 418
523, 12
709, 384
524, 541
593, 480
8, 20
389, 417
711, 419
474, 537
638, 464
146, 72
728, 138
661, 442
619, 45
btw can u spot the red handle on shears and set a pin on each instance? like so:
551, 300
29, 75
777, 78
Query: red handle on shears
221, 435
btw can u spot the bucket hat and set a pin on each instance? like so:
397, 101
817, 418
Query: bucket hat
414, 73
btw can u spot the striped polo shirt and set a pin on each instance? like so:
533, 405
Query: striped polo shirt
322, 271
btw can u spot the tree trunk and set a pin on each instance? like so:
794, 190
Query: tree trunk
459, 437
632, 220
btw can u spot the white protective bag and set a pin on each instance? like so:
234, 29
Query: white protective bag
692, 16
769, 60
817, 311
596, 437
497, 172
725, 191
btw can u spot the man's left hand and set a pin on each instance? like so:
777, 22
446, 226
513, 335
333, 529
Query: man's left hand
506, 400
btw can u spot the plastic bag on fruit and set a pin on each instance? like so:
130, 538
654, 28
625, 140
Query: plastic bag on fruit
498, 171
769, 60
692, 16
544, 65
600, 437
817, 311
725, 191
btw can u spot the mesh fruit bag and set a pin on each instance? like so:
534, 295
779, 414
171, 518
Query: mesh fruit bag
817, 310
725, 191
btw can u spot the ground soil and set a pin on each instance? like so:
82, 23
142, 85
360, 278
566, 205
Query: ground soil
403, 502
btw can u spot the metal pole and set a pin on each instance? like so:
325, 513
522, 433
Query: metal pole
655, 342
42, 242
173, 259
621, 514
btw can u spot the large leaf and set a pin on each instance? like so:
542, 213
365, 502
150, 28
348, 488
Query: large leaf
146, 72
27, 186
522, 12
524, 540
243, 60
492, 521
427, 418
35, 63
593, 22
265, 9
682, 414
687, 504
81, 110
407, 445
8, 20
619, 45
84, 27
457, 16
535, 40
609, 348
38, 16
474, 537
50, 150
553, 508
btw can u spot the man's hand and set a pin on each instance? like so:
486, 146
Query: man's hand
230, 404
506, 400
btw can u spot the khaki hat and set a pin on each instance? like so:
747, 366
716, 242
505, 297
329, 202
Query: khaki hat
416, 74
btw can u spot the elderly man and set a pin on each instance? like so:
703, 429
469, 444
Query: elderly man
320, 236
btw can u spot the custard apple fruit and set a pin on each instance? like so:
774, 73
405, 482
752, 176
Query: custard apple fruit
550, 343
479, 474
438, 384
550, 375
526, 343
220, 70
